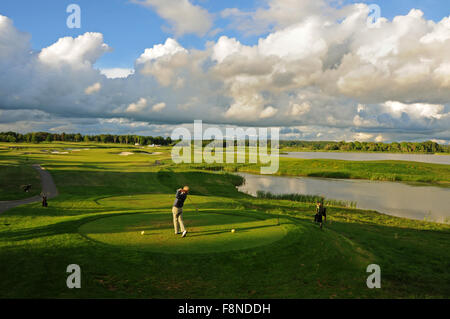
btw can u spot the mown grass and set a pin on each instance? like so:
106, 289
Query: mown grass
306, 262
209, 231
397, 171
13, 175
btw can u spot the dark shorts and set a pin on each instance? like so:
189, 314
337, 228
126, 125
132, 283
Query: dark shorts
318, 218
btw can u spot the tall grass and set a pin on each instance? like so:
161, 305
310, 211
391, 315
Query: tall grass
208, 167
306, 199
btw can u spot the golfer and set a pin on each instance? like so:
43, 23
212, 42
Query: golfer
177, 210
321, 213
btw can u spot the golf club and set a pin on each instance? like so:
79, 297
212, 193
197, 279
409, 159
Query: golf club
195, 206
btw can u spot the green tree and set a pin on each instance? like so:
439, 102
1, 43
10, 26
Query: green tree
77, 137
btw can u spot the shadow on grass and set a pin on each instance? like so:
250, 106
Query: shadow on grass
223, 231
100, 180
60, 228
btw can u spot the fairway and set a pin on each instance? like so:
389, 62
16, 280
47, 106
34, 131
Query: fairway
105, 201
209, 232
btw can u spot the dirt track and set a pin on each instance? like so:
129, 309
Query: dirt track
48, 187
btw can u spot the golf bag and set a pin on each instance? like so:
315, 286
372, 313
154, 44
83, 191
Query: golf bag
320, 213
318, 218
44, 201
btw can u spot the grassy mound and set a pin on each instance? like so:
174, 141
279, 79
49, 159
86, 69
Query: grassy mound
209, 232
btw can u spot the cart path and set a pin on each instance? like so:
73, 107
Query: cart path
48, 187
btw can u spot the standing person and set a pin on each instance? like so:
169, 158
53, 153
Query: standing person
321, 213
177, 210
44, 200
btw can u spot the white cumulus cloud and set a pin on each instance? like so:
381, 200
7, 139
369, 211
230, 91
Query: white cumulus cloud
94, 88
268, 112
83, 50
137, 106
183, 16
418, 110
116, 73
169, 48
159, 107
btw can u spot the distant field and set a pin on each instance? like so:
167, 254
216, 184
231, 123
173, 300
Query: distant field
14, 174
436, 174
287, 149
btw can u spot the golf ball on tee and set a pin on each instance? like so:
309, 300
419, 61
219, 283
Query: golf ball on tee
142, 232
233, 230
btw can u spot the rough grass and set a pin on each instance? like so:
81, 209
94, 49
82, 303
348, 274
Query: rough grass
13, 175
306, 199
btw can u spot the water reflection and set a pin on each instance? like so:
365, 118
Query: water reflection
397, 199
348, 156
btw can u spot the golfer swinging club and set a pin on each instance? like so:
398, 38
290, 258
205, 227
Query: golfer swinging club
177, 210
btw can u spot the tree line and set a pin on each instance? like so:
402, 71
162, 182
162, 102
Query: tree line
400, 147
394, 147
39, 137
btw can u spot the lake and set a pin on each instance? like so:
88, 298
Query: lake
397, 199
349, 156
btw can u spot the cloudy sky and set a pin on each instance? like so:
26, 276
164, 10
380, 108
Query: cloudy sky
318, 69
